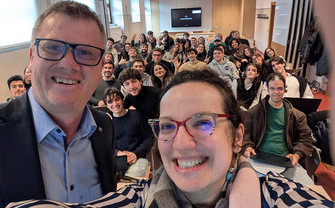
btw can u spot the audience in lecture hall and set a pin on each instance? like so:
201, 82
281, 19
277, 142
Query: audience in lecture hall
212, 135
135, 75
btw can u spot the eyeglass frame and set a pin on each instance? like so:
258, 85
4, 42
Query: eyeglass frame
67, 46
183, 123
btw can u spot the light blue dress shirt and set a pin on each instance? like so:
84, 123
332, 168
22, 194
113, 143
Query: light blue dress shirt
69, 171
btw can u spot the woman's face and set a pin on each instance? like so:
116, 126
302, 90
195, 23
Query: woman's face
251, 72
201, 40
142, 39
247, 52
27, 74
127, 47
159, 71
196, 165
176, 48
200, 48
234, 44
270, 52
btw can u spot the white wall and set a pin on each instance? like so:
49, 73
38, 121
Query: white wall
165, 7
262, 29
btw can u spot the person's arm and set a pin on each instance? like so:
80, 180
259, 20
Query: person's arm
248, 143
308, 92
258, 95
264, 91
147, 138
234, 87
302, 136
245, 191
134, 194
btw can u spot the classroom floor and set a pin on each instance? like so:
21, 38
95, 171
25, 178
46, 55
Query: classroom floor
325, 103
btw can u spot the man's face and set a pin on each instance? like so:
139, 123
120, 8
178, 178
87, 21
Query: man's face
27, 73
217, 42
236, 35
123, 39
194, 42
64, 85
218, 55
132, 53
277, 67
108, 70
114, 103
133, 86
16, 88
139, 67
108, 56
192, 56
156, 56
144, 48
276, 89
110, 44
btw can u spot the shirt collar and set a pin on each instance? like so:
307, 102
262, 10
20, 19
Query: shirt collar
42, 129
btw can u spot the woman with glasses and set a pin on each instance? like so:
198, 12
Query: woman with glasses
199, 135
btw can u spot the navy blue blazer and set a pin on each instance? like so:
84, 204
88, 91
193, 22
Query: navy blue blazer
20, 169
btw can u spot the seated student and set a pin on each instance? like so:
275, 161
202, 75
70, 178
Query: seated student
144, 53
27, 77
126, 64
168, 42
296, 86
185, 40
201, 165
139, 66
157, 55
110, 49
15, 87
160, 75
236, 34
218, 38
192, 64
145, 99
132, 133
269, 53
224, 68
217, 43
173, 53
151, 39
108, 81
263, 68
194, 42
124, 56
201, 52
141, 40
119, 46
237, 48
248, 89
276, 127
247, 58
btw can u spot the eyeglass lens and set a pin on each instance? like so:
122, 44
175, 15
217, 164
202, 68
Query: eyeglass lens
54, 50
199, 126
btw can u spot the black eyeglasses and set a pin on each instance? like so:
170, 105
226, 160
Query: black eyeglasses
55, 50
200, 125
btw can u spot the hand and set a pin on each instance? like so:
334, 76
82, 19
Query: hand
294, 158
248, 151
122, 61
176, 62
120, 153
133, 36
244, 60
101, 103
207, 59
131, 157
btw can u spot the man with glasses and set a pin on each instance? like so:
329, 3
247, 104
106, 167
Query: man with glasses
157, 55
52, 146
275, 126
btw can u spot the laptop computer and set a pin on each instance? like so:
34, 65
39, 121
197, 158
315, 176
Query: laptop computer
272, 159
306, 105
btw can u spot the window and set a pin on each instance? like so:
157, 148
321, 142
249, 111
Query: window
147, 12
17, 22
89, 3
109, 11
135, 11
